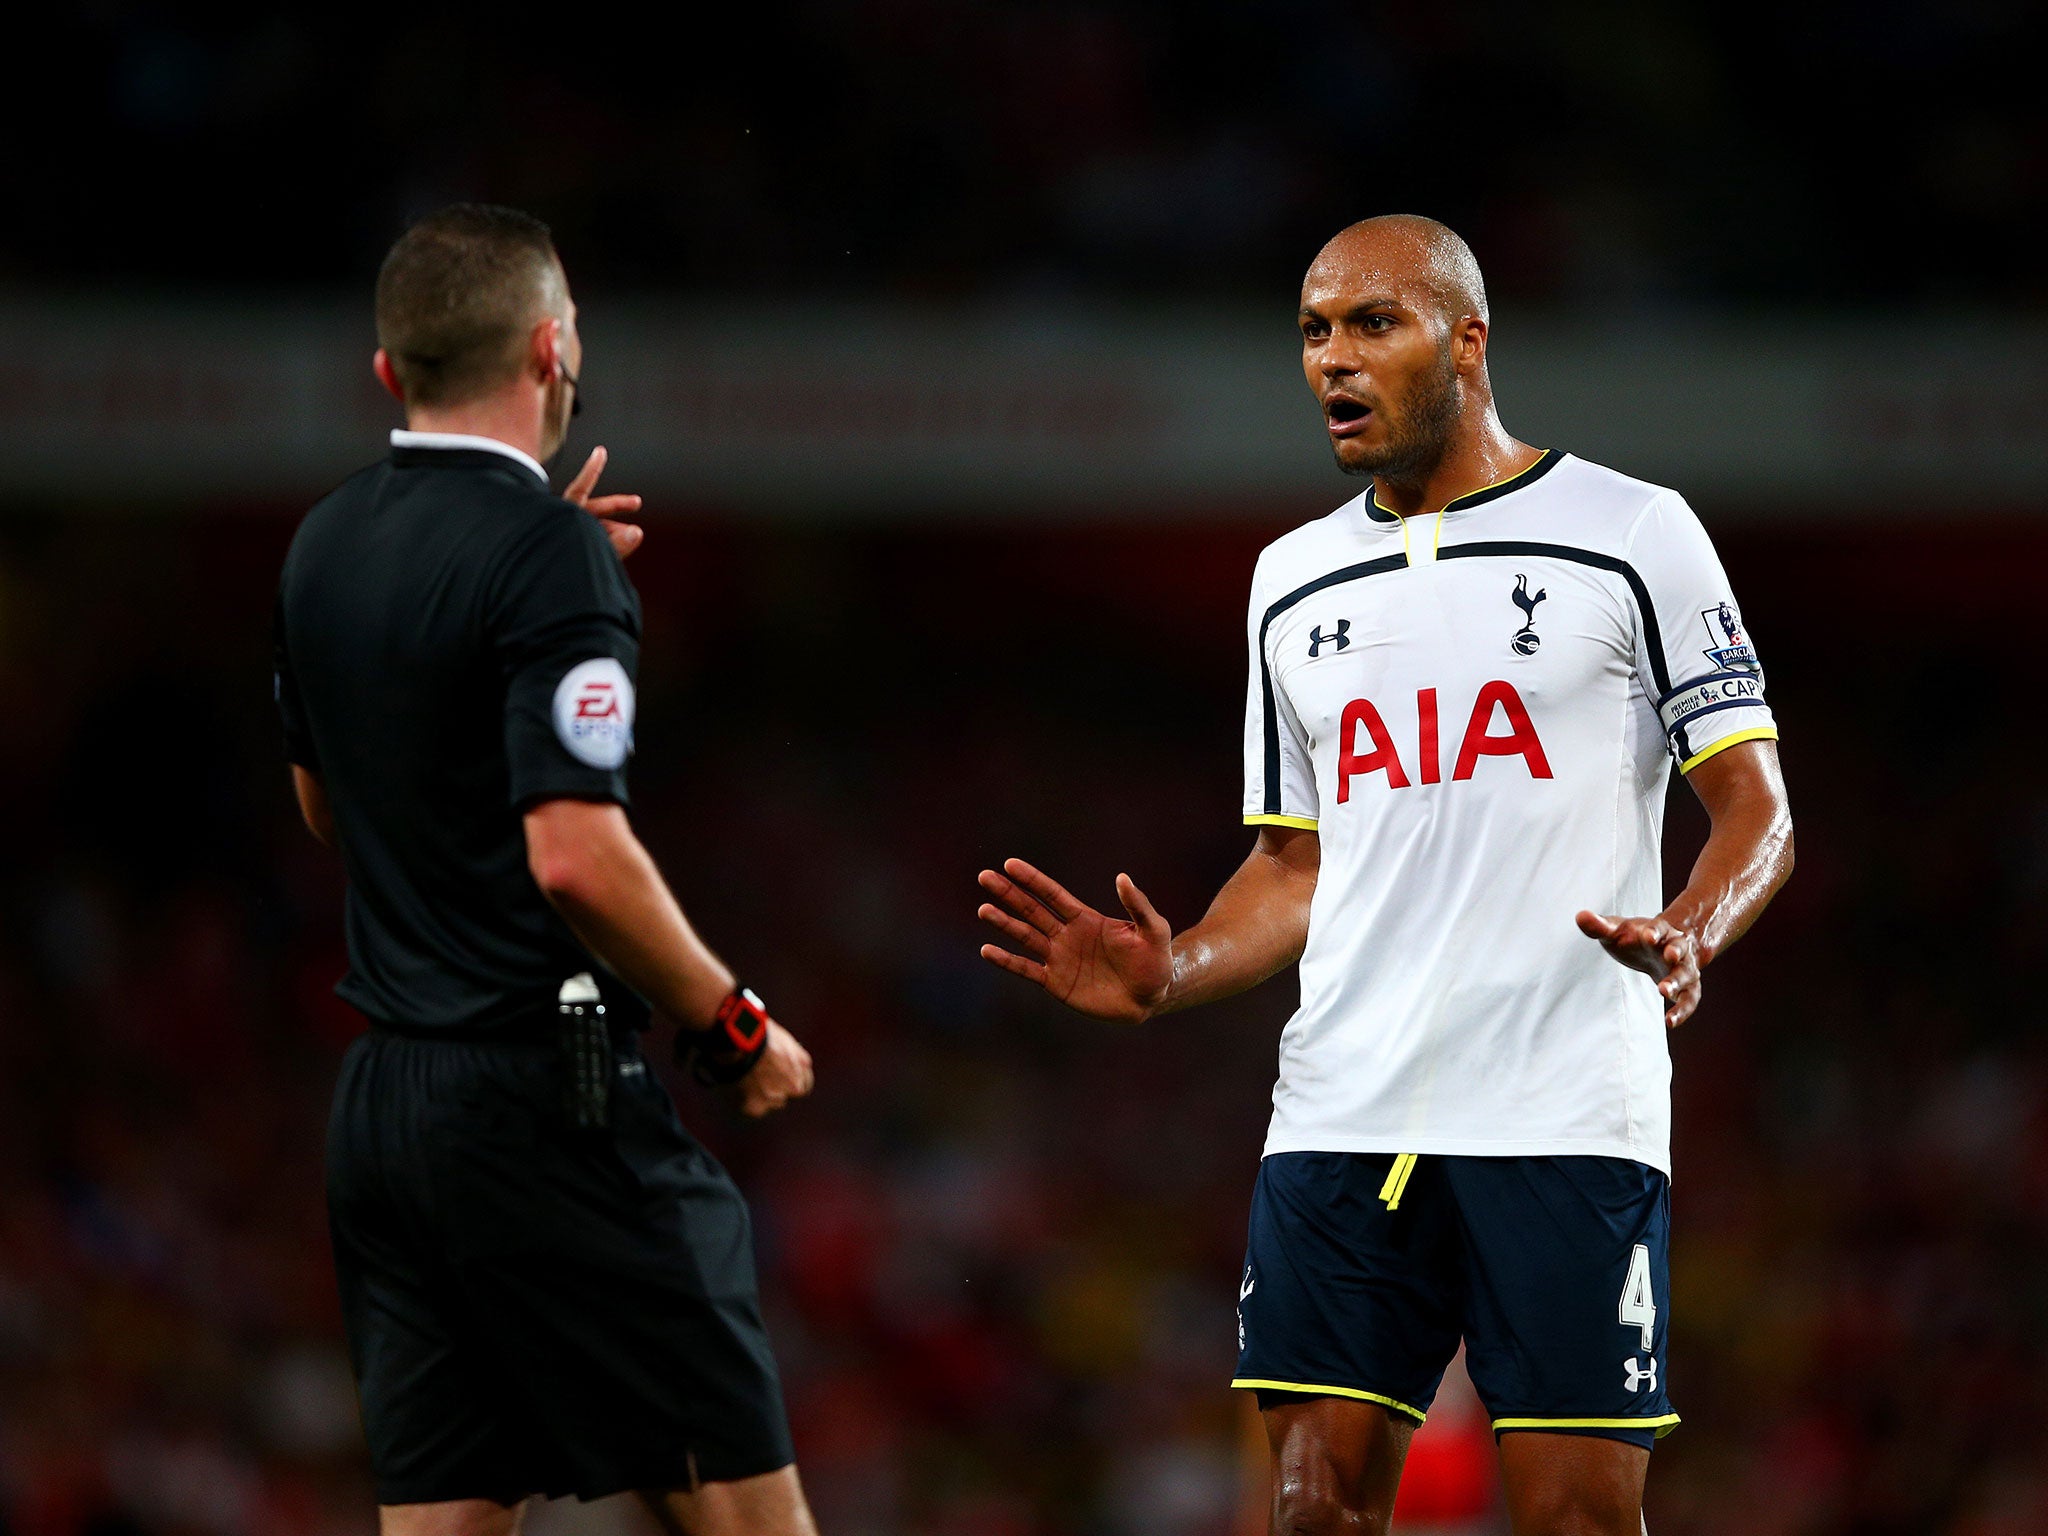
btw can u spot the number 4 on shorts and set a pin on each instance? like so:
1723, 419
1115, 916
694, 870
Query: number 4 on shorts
1638, 1307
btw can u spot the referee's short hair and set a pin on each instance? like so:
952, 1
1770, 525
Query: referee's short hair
458, 295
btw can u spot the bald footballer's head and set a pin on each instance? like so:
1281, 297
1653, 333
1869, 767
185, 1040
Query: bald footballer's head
473, 312
1393, 334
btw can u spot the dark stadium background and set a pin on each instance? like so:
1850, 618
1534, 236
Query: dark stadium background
999, 1245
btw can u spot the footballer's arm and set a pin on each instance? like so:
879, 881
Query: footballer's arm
593, 870
1130, 969
1747, 857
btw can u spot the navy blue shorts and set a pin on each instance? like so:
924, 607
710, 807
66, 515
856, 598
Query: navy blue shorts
1364, 1269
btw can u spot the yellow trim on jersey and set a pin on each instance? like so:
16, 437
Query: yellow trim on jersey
1663, 1426
1397, 1180
1761, 733
1436, 542
1542, 456
1306, 823
1251, 1385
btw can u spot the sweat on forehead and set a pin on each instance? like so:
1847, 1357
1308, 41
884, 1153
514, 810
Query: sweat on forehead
1400, 249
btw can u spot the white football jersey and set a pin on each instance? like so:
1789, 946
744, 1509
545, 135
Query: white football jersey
1476, 711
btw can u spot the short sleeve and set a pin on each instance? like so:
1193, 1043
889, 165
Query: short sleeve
1702, 670
564, 625
1279, 774
284, 688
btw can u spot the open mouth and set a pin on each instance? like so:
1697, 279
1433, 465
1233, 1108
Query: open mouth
1345, 415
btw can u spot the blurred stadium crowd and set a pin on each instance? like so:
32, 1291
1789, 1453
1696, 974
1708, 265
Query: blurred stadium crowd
1000, 1245
1672, 154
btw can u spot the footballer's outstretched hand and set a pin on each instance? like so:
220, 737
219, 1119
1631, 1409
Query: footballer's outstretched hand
1107, 968
1660, 950
783, 1073
608, 510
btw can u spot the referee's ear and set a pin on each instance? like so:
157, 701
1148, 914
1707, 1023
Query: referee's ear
387, 375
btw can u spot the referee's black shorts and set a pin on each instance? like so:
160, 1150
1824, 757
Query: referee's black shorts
532, 1308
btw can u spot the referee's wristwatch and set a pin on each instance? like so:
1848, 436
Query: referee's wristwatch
737, 1038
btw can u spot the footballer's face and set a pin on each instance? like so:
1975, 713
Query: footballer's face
1382, 358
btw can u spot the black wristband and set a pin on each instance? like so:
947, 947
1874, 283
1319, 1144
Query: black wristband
736, 1040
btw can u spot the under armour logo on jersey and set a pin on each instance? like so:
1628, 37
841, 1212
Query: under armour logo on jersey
1641, 1378
1317, 639
1526, 640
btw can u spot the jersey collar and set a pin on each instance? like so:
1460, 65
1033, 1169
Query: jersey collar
1545, 462
401, 438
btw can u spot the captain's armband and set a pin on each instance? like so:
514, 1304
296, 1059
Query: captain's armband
1680, 709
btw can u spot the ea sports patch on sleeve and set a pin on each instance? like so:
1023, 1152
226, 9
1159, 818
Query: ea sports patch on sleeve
594, 712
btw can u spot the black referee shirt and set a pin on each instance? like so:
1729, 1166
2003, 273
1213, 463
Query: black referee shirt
454, 644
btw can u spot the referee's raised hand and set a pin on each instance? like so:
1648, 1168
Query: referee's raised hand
609, 510
1107, 968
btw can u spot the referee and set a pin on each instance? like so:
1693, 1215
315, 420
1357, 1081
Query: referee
548, 1285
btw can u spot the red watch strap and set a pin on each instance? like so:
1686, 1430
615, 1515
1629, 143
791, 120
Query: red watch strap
743, 1018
